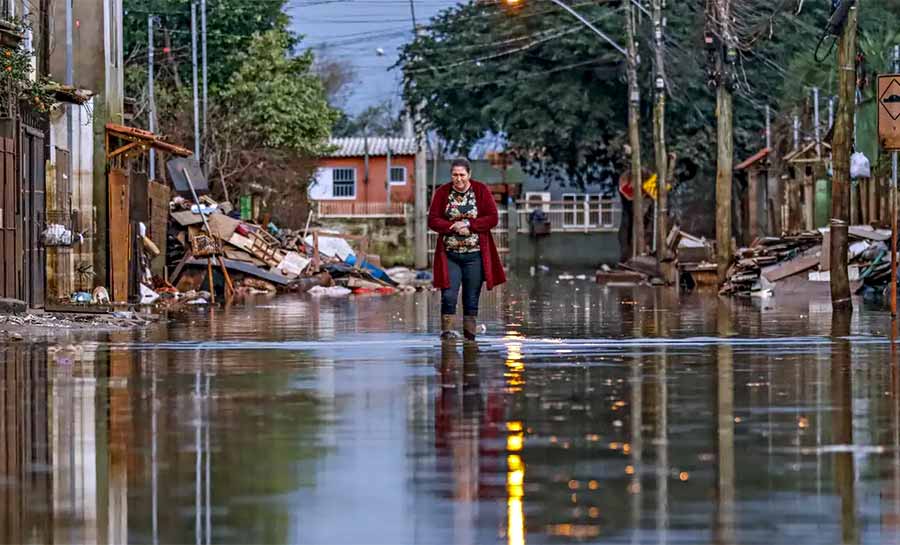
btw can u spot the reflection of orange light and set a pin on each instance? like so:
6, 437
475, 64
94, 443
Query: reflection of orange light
614, 446
593, 512
683, 476
514, 426
578, 531
629, 470
573, 484
514, 461
515, 515
574, 498
634, 488
514, 442
626, 448
553, 439
515, 526
593, 485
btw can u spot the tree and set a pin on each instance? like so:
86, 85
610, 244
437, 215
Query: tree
558, 93
268, 115
378, 120
337, 76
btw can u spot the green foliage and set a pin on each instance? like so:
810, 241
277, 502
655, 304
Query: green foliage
289, 108
558, 91
378, 120
531, 73
231, 25
268, 113
16, 70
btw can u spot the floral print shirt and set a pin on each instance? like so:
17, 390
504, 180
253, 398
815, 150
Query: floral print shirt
462, 206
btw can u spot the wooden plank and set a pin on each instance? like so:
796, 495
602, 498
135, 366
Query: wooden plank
790, 268
825, 256
246, 268
860, 231
119, 235
185, 218
222, 226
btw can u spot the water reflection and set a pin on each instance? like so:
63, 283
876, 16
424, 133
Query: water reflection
651, 419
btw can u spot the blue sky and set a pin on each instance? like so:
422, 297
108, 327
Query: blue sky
352, 30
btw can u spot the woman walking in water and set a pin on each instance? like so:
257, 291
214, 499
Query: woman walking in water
463, 213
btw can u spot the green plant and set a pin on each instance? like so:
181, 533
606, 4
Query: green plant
16, 74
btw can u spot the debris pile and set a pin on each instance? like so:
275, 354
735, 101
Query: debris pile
770, 260
210, 248
781, 257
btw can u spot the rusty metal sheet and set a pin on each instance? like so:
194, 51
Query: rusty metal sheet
889, 111
119, 235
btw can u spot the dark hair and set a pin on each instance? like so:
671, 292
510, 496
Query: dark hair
461, 162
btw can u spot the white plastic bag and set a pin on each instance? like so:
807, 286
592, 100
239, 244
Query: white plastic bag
859, 166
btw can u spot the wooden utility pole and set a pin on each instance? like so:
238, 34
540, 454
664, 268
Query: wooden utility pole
843, 139
659, 136
634, 135
725, 137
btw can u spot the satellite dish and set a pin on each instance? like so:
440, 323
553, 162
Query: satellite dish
379, 51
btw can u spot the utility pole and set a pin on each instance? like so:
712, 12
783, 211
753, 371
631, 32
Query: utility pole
421, 193
151, 92
196, 100
659, 137
70, 82
634, 135
772, 226
725, 137
809, 210
894, 212
843, 135
205, 66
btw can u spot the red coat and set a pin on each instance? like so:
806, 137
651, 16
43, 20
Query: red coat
487, 219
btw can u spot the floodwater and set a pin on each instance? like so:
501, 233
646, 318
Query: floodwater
613, 415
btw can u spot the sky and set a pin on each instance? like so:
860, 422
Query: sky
353, 30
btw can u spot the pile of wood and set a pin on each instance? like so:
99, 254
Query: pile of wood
234, 255
794, 254
772, 259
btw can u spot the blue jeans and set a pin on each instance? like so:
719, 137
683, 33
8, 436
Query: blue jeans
465, 270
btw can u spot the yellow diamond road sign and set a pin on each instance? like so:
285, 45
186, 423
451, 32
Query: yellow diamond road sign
889, 111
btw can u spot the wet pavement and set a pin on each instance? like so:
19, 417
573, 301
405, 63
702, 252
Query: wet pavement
613, 415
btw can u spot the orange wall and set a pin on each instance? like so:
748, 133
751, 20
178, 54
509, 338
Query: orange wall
374, 191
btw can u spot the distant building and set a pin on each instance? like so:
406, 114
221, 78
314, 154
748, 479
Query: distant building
363, 171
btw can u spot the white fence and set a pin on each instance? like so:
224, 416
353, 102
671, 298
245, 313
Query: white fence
572, 216
353, 209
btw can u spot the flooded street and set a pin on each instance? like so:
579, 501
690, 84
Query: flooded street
614, 415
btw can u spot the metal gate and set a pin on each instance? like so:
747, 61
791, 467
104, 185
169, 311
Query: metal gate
33, 209
9, 210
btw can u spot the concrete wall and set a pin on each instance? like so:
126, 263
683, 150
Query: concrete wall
574, 251
389, 238
89, 64
374, 191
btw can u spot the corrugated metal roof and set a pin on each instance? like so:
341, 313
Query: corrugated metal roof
356, 146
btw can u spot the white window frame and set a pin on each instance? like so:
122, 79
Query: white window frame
334, 184
575, 211
405, 174
573, 214
543, 197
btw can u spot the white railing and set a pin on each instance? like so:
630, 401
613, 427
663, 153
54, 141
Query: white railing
572, 217
338, 209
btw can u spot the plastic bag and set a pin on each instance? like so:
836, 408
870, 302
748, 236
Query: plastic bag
859, 166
